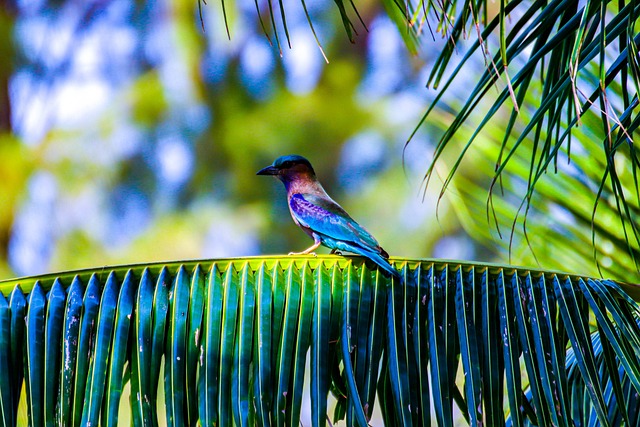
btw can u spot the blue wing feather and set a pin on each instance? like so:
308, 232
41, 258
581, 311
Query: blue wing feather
328, 218
336, 229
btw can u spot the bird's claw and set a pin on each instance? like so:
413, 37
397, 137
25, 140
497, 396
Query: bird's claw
303, 253
336, 252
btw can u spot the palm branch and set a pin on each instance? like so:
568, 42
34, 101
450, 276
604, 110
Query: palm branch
563, 225
567, 75
231, 338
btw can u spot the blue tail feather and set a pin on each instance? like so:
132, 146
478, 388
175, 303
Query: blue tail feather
382, 263
373, 256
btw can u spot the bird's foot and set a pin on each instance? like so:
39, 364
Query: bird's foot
303, 253
309, 250
336, 252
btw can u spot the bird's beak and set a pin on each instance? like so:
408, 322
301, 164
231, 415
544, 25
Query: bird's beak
269, 170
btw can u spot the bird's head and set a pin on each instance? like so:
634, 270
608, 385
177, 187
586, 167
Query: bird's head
289, 168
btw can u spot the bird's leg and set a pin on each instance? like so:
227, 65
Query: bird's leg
336, 251
309, 250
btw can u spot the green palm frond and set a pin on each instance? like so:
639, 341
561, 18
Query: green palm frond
624, 389
564, 223
559, 69
234, 336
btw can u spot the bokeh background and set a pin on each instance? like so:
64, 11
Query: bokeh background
131, 132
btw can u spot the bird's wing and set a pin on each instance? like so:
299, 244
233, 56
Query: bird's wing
328, 218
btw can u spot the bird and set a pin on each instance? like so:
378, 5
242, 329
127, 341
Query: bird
320, 217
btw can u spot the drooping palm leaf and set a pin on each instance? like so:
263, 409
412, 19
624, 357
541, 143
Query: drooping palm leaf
616, 384
557, 64
235, 334
567, 224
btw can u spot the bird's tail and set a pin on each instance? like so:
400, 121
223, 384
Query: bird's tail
382, 263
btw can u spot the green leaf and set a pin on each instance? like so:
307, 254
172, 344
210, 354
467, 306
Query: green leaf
439, 329
100, 356
263, 378
227, 344
286, 347
52, 347
6, 399
550, 354
119, 345
158, 333
302, 340
355, 410
209, 369
195, 319
374, 342
422, 278
18, 305
592, 48
493, 366
70, 343
528, 341
575, 322
243, 350
34, 367
91, 306
176, 352
142, 412
401, 17
469, 349
320, 334
280, 286
510, 342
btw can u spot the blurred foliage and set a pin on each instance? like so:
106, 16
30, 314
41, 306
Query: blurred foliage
148, 132
14, 172
148, 103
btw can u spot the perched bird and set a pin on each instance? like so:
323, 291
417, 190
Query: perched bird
320, 217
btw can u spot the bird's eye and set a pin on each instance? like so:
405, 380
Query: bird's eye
287, 164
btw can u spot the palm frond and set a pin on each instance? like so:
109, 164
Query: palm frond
235, 335
560, 65
610, 372
569, 225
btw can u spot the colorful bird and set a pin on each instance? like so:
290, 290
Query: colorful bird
320, 216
